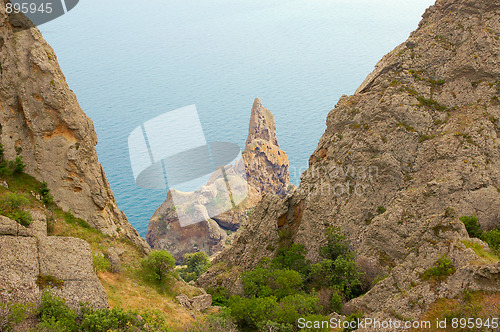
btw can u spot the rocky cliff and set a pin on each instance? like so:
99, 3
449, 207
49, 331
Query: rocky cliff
42, 122
33, 262
265, 167
415, 148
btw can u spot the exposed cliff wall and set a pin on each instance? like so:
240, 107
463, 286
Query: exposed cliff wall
265, 166
29, 255
416, 147
42, 121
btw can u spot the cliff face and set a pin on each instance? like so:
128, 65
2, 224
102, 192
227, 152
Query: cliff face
265, 166
415, 148
42, 121
28, 255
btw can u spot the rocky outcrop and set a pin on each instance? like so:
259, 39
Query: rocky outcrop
42, 121
197, 303
33, 262
265, 166
415, 148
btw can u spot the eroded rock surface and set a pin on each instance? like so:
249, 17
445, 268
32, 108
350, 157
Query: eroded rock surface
42, 121
415, 148
265, 167
29, 256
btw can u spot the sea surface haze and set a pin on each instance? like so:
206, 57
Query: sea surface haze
129, 61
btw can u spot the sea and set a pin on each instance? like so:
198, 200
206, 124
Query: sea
131, 61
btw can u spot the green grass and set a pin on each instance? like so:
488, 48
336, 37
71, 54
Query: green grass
442, 268
480, 251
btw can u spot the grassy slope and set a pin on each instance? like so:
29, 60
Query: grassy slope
126, 289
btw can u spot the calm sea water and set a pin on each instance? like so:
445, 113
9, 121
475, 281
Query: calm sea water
129, 61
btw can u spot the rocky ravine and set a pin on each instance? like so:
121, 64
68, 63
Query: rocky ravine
419, 139
42, 121
266, 169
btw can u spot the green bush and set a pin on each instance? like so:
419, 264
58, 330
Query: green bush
472, 225
13, 201
22, 217
158, 265
336, 246
101, 263
56, 316
275, 291
293, 258
220, 296
253, 311
11, 206
263, 282
19, 165
54, 313
12, 314
109, 320
216, 322
338, 268
442, 268
492, 238
45, 193
196, 264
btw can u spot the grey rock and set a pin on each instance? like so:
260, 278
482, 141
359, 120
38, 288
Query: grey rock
113, 256
28, 254
41, 120
265, 166
419, 138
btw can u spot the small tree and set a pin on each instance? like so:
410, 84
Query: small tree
18, 165
196, 264
158, 265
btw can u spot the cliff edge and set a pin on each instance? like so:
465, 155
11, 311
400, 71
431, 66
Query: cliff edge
413, 150
42, 122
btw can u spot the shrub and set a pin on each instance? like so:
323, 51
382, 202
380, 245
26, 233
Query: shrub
12, 314
492, 238
54, 313
108, 320
11, 206
13, 201
341, 273
381, 210
251, 312
442, 268
101, 263
472, 225
19, 165
220, 296
44, 281
293, 258
55, 316
196, 264
22, 217
263, 282
336, 246
45, 193
158, 265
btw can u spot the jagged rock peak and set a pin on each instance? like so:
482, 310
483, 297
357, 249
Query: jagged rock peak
265, 163
262, 126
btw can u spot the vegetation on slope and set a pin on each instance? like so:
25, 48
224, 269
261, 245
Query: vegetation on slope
133, 289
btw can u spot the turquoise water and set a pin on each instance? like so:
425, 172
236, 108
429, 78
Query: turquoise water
129, 61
